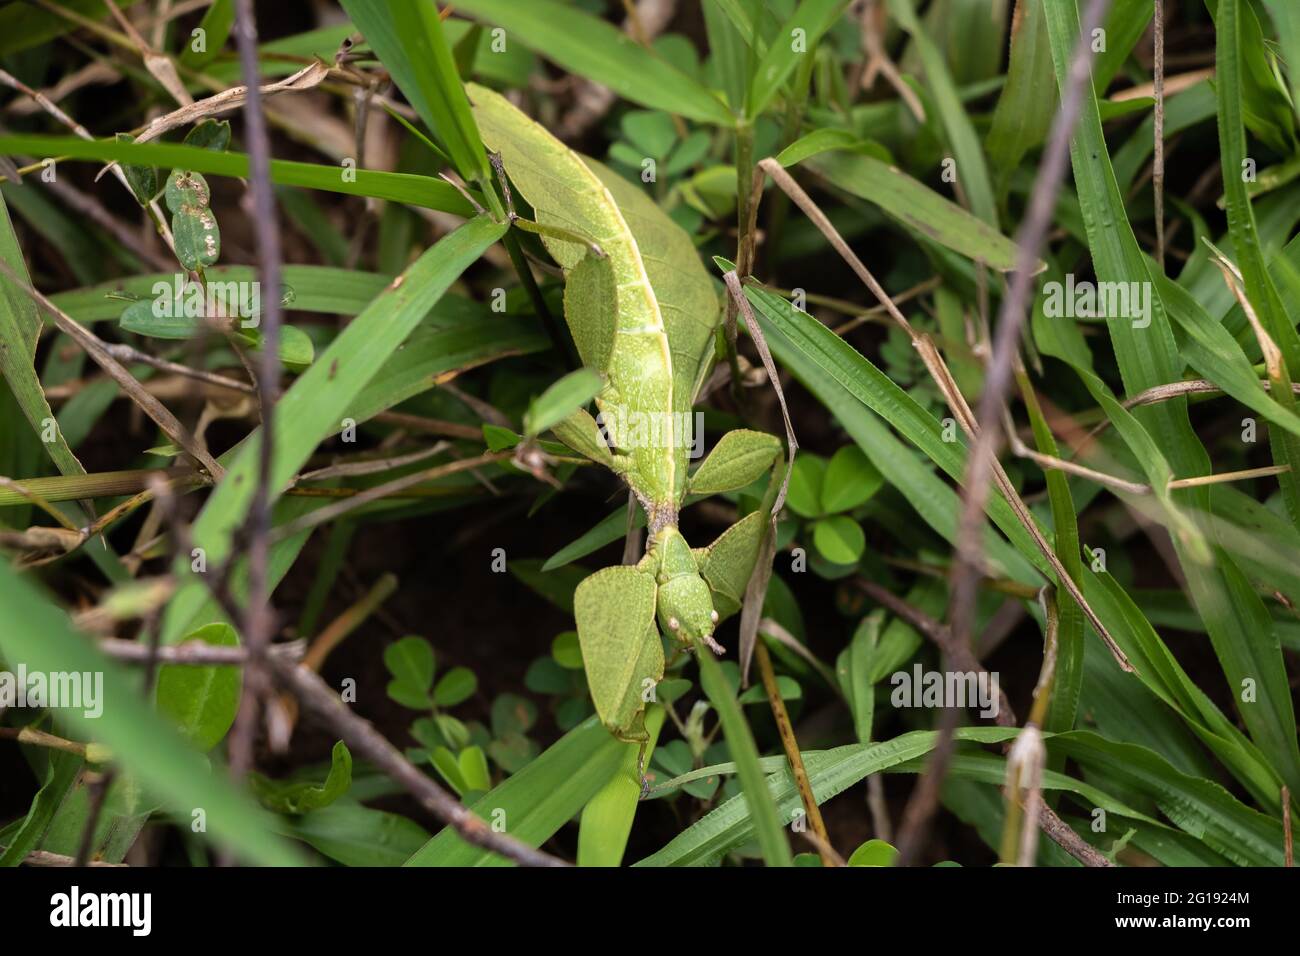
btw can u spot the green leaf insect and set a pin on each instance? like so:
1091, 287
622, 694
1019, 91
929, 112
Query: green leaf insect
642, 312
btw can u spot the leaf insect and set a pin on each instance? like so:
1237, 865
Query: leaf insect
643, 314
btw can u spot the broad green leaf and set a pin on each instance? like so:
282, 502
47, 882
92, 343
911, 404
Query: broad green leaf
354, 835
38, 636
874, 853
202, 701
647, 276
728, 563
839, 539
739, 459
455, 687
411, 662
595, 49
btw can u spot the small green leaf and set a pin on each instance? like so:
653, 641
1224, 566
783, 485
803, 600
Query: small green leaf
445, 762
455, 687
850, 480
566, 651
788, 688
839, 539
650, 131
209, 134
874, 853
806, 479
564, 397
143, 180
202, 701
498, 438
411, 663
474, 769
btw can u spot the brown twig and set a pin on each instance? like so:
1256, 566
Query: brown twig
365, 741
351, 503
1288, 846
795, 759
98, 350
259, 618
982, 468
196, 653
1158, 161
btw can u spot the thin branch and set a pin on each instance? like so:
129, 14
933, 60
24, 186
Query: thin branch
1158, 167
982, 468
259, 620
791, 745
196, 653
98, 350
366, 742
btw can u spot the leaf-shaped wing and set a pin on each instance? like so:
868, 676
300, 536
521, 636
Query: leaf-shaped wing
615, 610
728, 563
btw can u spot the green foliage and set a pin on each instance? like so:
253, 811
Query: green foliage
458, 409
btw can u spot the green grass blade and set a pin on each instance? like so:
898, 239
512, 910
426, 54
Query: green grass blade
756, 797
38, 637
607, 818
594, 49
971, 168
20, 327
1027, 104
408, 38
425, 191
814, 18
917, 206
314, 407
1245, 239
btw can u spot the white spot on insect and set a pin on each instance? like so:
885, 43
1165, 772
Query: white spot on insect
673, 624
713, 616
